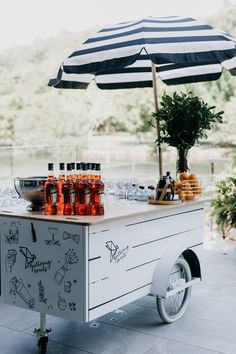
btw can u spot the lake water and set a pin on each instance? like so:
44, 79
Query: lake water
122, 156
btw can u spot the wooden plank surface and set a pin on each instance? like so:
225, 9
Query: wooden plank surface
112, 212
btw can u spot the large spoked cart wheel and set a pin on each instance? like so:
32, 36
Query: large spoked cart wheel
173, 306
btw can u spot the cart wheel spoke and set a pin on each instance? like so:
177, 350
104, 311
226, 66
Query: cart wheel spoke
173, 307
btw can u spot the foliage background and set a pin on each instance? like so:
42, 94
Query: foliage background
32, 113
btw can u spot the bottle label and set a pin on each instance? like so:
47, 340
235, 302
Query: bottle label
83, 196
72, 195
100, 196
87, 196
53, 194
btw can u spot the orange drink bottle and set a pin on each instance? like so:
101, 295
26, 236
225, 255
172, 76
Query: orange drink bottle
73, 171
96, 187
68, 191
60, 196
82, 195
78, 172
50, 190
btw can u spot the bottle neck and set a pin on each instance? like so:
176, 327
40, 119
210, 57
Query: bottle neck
78, 175
61, 175
88, 175
51, 175
84, 175
68, 176
97, 175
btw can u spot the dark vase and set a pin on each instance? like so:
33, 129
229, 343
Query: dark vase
182, 161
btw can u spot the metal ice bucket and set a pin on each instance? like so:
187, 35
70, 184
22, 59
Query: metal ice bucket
31, 189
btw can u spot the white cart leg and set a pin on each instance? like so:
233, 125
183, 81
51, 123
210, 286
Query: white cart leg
42, 333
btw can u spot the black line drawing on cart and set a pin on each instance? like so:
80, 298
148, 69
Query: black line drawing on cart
33, 233
116, 254
12, 237
18, 288
52, 242
72, 306
70, 258
29, 257
40, 266
67, 286
112, 248
74, 237
61, 302
10, 260
33, 263
42, 292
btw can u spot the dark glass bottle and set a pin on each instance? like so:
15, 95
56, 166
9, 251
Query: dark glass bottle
78, 171
61, 179
171, 185
50, 189
160, 187
89, 169
82, 192
68, 192
73, 176
96, 187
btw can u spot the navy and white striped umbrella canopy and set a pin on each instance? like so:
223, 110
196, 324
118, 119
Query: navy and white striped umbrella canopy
184, 50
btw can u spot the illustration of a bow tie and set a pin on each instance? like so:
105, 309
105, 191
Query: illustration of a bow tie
74, 237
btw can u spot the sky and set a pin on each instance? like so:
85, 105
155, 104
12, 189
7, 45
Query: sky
22, 21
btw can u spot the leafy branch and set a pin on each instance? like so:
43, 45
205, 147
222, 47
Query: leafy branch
184, 119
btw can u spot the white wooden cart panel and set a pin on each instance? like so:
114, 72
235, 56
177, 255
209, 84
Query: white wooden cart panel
44, 266
150, 228
81, 268
123, 255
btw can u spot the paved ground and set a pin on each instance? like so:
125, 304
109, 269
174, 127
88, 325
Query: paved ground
208, 327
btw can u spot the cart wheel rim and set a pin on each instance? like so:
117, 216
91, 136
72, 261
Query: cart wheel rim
178, 277
173, 307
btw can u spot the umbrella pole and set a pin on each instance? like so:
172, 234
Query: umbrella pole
154, 85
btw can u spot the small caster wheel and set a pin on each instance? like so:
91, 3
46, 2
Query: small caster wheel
42, 344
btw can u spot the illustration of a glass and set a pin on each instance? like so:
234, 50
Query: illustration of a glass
53, 232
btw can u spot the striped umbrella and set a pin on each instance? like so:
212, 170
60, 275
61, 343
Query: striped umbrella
132, 54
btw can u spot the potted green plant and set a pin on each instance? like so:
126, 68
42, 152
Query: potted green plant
224, 205
184, 119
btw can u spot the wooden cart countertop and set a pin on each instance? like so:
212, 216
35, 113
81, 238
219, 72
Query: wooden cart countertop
112, 212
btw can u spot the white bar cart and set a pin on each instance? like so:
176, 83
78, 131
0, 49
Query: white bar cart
80, 268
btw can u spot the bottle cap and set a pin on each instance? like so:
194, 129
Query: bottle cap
151, 187
72, 165
50, 166
78, 166
141, 187
61, 166
89, 165
68, 166
83, 166
97, 166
